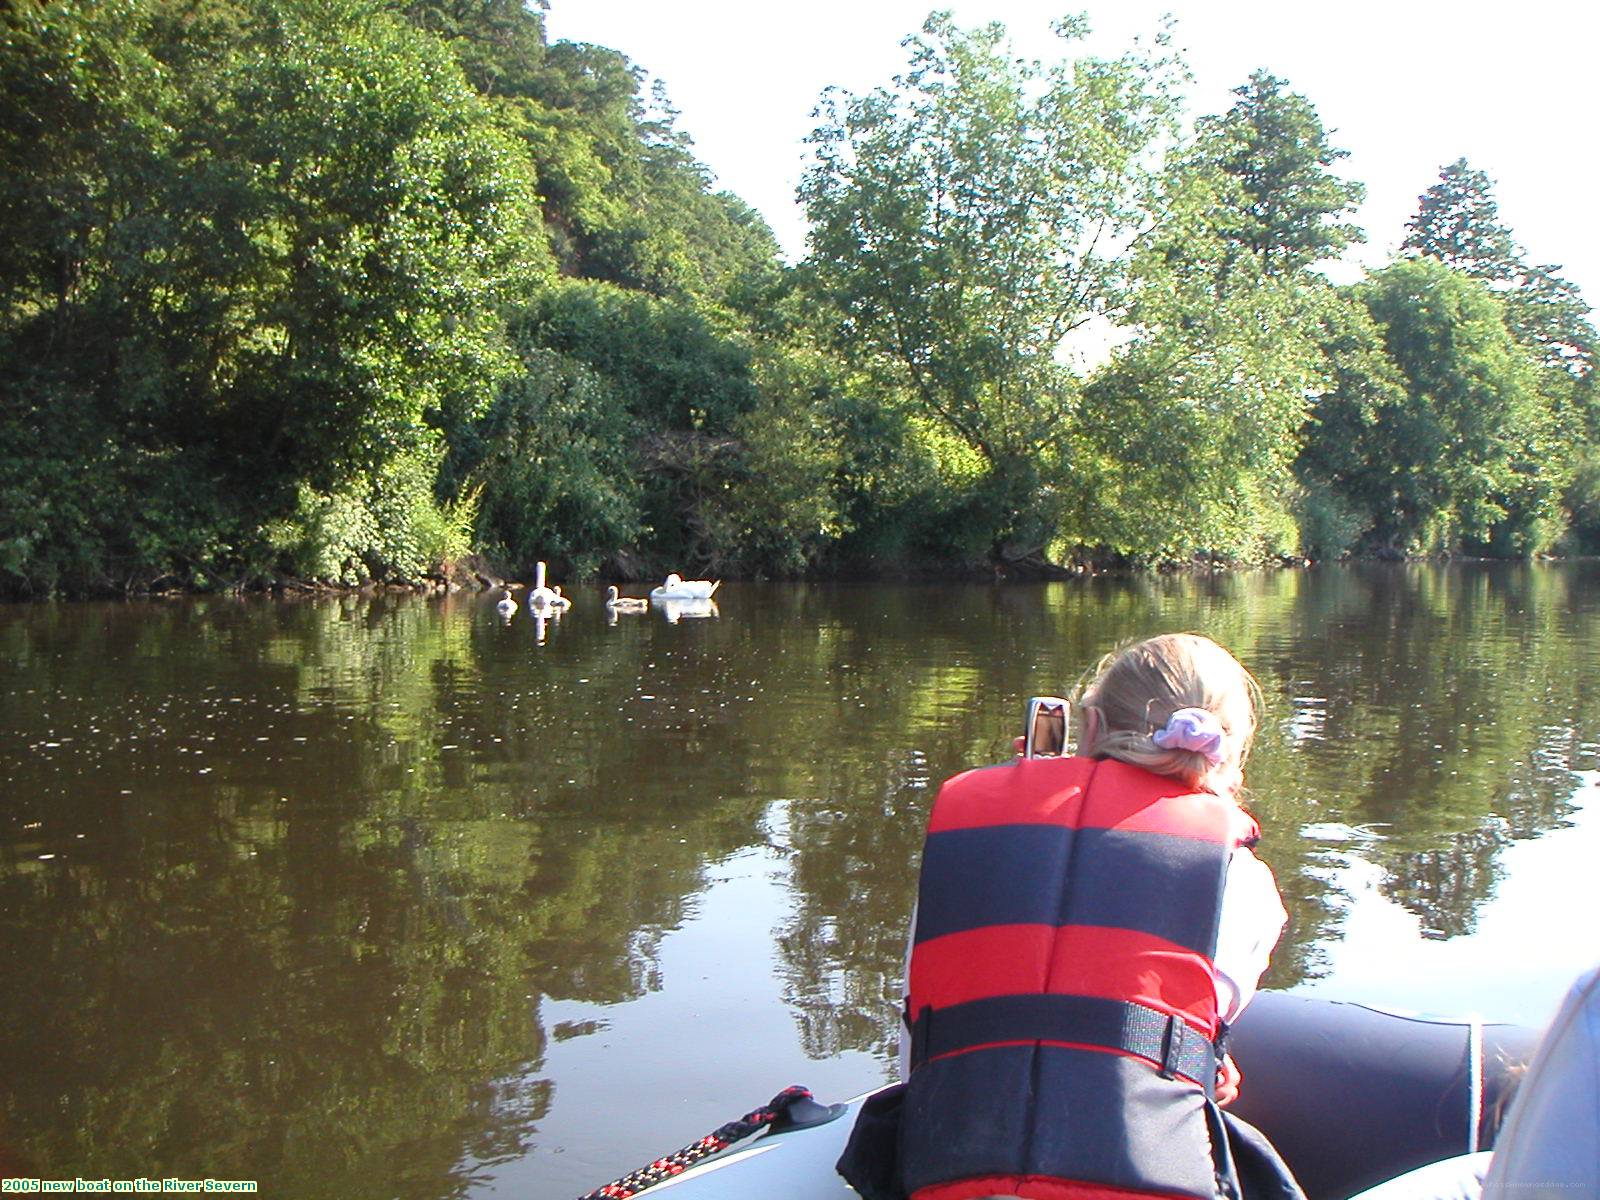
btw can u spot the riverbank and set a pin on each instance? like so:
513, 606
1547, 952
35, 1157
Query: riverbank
481, 575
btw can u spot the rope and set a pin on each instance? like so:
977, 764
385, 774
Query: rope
681, 1160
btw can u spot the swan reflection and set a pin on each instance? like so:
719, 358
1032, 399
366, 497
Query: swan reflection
678, 610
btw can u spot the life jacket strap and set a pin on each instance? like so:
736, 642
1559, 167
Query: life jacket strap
1167, 1041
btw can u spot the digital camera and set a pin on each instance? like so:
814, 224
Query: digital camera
1044, 729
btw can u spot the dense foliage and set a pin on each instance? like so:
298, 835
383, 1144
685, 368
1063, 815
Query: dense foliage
349, 290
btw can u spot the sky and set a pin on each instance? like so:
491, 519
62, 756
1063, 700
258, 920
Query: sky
1405, 86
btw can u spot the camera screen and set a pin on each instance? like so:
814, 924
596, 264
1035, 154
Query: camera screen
1046, 736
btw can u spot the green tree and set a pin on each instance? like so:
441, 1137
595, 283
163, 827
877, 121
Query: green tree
1460, 437
1342, 491
782, 510
499, 43
677, 367
266, 247
552, 465
1546, 313
87, 119
637, 428
1279, 202
381, 274
1458, 222
624, 199
1193, 425
966, 219
675, 387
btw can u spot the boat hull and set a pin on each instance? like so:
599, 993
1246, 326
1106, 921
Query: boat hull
1349, 1095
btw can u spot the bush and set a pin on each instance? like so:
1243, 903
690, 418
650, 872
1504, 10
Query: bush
387, 526
779, 510
552, 465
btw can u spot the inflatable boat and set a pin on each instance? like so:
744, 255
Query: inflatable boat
1349, 1095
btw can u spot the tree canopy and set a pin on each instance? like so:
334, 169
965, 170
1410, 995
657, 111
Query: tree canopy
965, 220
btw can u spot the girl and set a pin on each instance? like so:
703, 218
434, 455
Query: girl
1207, 704
1086, 928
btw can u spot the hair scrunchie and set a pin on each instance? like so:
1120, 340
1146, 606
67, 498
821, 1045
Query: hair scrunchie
1194, 729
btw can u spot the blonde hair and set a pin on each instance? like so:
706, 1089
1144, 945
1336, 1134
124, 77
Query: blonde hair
1134, 691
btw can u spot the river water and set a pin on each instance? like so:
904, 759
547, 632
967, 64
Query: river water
387, 897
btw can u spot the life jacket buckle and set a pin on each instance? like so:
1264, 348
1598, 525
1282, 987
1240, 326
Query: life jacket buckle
1219, 1044
1172, 1047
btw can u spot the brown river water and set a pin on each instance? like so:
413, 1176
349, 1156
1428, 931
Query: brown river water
387, 897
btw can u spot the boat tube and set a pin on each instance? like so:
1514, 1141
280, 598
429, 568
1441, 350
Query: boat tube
1349, 1095
1352, 1095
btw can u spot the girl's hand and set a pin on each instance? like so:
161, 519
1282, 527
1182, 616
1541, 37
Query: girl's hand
1227, 1081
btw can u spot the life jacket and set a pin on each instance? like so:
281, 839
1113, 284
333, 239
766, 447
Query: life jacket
1062, 1008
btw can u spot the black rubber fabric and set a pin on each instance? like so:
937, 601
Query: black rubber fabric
871, 1159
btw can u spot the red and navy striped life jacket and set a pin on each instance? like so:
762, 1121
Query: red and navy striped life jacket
1062, 1002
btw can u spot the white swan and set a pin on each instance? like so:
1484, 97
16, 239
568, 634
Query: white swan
541, 596
678, 588
508, 603
624, 604
560, 603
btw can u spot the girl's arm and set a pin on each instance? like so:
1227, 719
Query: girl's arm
1253, 918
